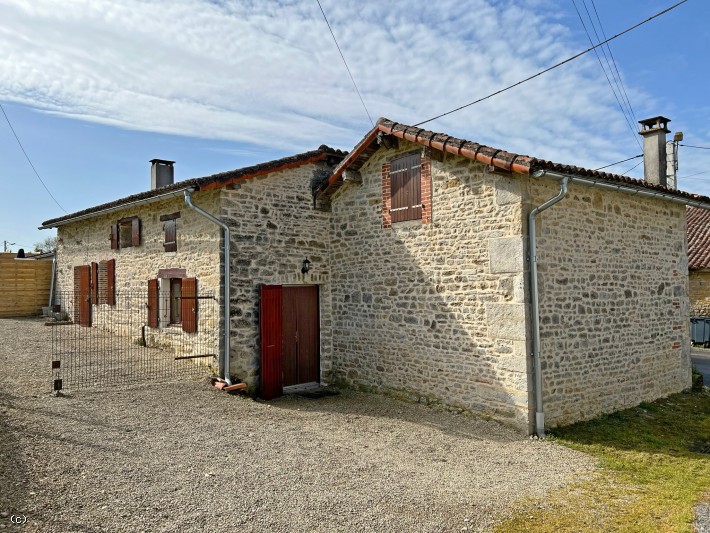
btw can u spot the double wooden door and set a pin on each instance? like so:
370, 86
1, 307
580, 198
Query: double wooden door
290, 337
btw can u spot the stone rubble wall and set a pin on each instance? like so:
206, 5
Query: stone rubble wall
433, 312
198, 252
274, 228
613, 301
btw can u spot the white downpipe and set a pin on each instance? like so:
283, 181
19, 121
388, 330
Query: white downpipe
534, 302
51, 283
226, 295
532, 244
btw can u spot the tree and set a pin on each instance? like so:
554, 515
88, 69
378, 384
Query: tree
47, 245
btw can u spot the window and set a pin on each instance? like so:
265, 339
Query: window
173, 301
126, 233
103, 284
175, 292
170, 229
406, 188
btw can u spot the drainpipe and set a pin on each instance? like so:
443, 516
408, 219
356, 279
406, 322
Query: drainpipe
51, 283
534, 297
225, 296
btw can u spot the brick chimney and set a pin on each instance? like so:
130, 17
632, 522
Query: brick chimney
161, 173
653, 131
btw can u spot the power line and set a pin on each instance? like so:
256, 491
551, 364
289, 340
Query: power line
599, 59
556, 65
346, 65
618, 74
691, 176
28, 159
633, 167
698, 147
618, 162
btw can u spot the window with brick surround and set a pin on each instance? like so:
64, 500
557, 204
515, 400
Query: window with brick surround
406, 188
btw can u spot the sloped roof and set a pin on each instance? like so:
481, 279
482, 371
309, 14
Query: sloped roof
521, 164
698, 238
213, 181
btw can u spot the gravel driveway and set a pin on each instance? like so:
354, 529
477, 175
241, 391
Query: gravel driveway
182, 456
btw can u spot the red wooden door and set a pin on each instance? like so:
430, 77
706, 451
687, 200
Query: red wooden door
271, 341
301, 346
82, 295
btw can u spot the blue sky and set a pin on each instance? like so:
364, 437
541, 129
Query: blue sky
95, 89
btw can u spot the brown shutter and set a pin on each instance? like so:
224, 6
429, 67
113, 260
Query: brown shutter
406, 188
114, 237
136, 231
111, 282
170, 244
153, 303
188, 305
94, 283
82, 296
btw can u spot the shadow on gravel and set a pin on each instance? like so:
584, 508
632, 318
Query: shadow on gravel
13, 470
356, 405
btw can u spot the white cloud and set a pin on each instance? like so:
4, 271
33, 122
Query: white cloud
268, 73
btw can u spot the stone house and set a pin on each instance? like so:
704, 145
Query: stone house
425, 266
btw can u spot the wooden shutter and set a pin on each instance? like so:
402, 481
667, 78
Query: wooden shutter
82, 297
152, 303
188, 305
94, 283
111, 282
114, 237
271, 341
406, 188
170, 244
135, 231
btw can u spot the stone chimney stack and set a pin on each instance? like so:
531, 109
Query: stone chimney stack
653, 131
161, 173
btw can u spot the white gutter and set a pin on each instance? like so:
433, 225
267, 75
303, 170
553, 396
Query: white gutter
532, 245
114, 208
226, 282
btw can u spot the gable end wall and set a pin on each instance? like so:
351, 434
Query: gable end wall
613, 301
433, 312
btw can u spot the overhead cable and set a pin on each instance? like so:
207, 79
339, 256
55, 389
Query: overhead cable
29, 160
346, 65
618, 162
556, 65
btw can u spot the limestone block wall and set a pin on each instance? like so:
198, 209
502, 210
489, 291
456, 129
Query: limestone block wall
435, 311
699, 292
613, 301
274, 228
198, 252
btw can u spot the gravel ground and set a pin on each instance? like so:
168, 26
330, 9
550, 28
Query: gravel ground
182, 456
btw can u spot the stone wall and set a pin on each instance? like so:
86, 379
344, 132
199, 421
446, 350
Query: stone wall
435, 312
198, 252
699, 292
613, 301
274, 228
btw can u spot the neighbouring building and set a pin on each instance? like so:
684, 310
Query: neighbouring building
699, 260
404, 267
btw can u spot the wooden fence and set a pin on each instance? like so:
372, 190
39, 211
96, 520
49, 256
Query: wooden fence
24, 285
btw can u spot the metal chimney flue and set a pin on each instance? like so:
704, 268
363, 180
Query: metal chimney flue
161, 173
653, 131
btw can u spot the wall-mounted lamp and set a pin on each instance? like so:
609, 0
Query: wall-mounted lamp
306, 266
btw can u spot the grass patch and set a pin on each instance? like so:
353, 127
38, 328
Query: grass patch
652, 471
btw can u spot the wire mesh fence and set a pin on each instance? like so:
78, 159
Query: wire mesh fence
102, 345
